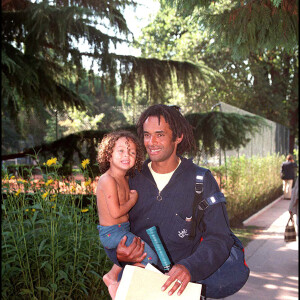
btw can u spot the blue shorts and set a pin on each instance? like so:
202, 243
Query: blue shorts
110, 236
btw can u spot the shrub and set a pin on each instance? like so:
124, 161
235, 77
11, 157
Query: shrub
50, 244
249, 184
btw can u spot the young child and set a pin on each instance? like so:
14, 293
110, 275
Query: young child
119, 155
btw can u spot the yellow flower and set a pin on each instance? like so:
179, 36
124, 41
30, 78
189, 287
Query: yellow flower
22, 181
12, 177
85, 210
18, 192
85, 162
49, 182
45, 195
73, 189
33, 210
53, 198
51, 161
26, 209
87, 183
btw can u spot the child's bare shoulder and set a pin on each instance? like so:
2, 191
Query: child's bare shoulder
106, 181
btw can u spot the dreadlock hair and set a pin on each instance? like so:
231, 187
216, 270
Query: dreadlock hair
106, 148
177, 122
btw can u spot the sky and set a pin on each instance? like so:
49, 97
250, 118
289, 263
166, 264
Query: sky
136, 19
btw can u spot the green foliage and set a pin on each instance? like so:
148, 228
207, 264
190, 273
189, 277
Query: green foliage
227, 130
49, 241
157, 74
249, 184
264, 82
41, 53
247, 26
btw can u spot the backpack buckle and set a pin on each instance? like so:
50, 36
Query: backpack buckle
198, 187
203, 205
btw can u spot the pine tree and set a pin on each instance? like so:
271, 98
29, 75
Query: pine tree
248, 26
41, 53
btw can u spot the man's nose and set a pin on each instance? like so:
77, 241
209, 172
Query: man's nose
153, 140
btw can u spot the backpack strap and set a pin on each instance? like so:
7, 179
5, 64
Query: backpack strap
200, 204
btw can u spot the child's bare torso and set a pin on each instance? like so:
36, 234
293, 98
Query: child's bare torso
111, 189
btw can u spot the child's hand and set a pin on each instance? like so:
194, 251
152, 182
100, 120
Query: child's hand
133, 196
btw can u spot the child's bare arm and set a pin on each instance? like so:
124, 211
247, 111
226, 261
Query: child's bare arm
110, 190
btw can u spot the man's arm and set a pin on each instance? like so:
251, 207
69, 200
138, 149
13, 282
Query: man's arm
212, 252
209, 255
215, 247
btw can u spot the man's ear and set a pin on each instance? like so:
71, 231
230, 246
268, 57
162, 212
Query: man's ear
179, 139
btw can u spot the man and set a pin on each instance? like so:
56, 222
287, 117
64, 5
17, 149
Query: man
166, 187
288, 169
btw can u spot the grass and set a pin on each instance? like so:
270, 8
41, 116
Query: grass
246, 234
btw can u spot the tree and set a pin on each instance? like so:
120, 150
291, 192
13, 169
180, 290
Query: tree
247, 26
229, 130
41, 53
264, 82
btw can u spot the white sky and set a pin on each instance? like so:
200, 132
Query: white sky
136, 19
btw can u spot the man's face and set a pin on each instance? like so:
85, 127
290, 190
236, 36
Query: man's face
158, 139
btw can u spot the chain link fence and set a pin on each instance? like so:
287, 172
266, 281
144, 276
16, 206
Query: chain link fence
272, 138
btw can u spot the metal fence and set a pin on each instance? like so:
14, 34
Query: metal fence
272, 138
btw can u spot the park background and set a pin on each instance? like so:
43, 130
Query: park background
71, 72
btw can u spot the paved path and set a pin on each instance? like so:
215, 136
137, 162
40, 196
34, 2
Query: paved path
273, 263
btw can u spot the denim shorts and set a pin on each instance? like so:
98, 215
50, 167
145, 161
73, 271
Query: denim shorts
110, 236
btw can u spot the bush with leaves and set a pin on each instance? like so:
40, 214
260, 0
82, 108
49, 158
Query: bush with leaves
249, 184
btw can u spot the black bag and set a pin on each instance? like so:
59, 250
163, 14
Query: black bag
290, 232
234, 273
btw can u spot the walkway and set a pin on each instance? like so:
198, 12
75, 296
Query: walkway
273, 263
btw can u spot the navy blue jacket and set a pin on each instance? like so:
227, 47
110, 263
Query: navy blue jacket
168, 211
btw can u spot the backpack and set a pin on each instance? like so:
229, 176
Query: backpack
234, 273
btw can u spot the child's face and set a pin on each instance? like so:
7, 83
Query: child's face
124, 154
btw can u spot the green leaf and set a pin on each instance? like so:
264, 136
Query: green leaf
42, 244
78, 182
62, 275
25, 292
59, 253
45, 264
96, 274
53, 286
44, 289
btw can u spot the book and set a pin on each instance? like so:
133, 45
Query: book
145, 284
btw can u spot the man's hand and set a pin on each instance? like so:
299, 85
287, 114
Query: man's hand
133, 196
133, 253
181, 276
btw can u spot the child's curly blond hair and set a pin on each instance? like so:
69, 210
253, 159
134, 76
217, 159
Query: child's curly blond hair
106, 147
